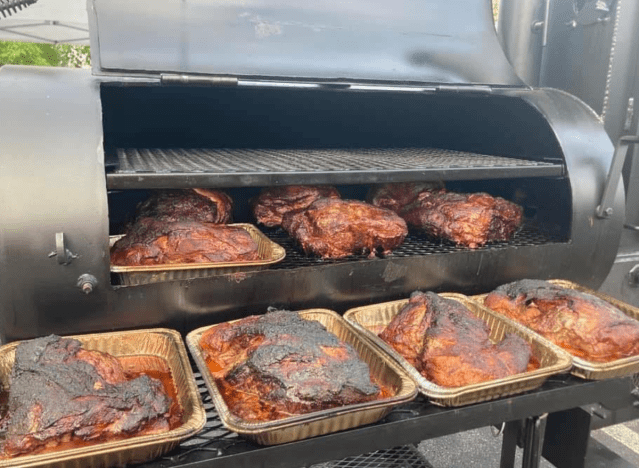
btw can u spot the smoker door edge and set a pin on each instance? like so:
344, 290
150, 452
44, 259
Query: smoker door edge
54, 223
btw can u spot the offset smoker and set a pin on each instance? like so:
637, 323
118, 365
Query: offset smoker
241, 97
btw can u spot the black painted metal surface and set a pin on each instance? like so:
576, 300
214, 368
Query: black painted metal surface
408, 41
407, 424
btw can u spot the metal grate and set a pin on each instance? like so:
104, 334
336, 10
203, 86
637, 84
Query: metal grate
406, 456
156, 168
416, 243
216, 441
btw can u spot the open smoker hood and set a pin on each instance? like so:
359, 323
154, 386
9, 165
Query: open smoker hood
406, 41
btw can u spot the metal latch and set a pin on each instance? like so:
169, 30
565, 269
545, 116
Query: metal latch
604, 210
197, 80
63, 255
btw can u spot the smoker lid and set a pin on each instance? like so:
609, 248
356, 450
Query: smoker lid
409, 41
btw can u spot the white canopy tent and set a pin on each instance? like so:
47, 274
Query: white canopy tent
51, 21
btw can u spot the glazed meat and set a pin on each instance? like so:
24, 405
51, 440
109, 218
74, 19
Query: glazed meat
335, 228
61, 393
396, 196
272, 366
584, 325
449, 346
203, 205
152, 242
274, 202
470, 219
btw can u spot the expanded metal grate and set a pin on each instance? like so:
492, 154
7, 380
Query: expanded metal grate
214, 441
263, 160
406, 456
155, 168
416, 243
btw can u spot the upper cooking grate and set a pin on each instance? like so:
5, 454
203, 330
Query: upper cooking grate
157, 168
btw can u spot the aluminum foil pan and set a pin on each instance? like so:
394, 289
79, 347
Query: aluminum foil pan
371, 320
268, 251
153, 343
382, 368
587, 369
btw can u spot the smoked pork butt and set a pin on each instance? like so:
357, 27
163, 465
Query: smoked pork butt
467, 219
396, 196
203, 205
274, 202
335, 228
61, 393
449, 346
276, 365
584, 325
152, 242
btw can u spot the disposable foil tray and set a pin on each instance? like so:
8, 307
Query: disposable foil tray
383, 369
371, 320
153, 343
268, 251
588, 369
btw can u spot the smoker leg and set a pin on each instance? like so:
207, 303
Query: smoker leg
566, 440
509, 444
534, 430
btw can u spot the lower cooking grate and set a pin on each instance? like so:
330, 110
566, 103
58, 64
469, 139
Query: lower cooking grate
416, 243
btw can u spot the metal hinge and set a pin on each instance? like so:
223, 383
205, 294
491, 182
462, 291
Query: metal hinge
465, 88
197, 80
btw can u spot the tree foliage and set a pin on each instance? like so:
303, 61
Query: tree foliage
29, 53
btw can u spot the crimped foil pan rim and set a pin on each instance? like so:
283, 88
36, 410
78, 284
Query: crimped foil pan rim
194, 424
446, 395
593, 370
278, 254
240, 426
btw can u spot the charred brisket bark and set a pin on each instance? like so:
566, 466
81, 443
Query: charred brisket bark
62, 393
272, 366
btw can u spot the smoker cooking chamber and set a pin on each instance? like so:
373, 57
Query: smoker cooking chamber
109, 141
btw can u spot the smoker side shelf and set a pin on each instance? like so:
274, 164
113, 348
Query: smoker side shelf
150, 168
407, 424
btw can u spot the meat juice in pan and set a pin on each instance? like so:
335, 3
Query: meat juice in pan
114, 371
273, 366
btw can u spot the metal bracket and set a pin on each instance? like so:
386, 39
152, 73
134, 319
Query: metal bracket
604, 210
595, 11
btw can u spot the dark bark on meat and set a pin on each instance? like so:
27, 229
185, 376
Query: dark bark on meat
396, 196
153, 242
471, 219
274, 202
203, 205
450, 346
279, 364
584, 325
334, 228
61, 392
